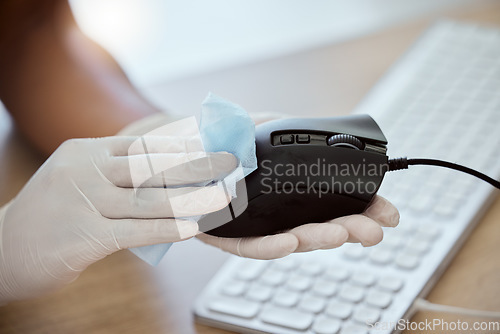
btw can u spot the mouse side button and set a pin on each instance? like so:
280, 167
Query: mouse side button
303, 139
286, 139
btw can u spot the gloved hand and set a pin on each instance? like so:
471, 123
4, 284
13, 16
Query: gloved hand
363, 228
80, 206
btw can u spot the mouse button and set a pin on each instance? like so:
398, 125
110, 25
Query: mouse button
345, 140
303, 138
286, 139
318, 139
374, 148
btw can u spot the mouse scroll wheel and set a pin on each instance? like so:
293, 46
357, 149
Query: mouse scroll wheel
344, 140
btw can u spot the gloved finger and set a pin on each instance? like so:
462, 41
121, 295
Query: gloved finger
319, 236
131, 145
168, 169
119, 203
128, 233
262, 248
361, 229
383, 212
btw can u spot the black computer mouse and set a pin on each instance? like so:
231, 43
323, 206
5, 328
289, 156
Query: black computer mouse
310, 170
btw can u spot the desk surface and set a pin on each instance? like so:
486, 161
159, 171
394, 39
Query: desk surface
121, 294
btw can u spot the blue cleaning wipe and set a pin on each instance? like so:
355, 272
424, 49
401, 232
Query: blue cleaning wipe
224, 126
151, 254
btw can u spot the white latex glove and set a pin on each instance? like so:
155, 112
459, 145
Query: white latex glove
80, 207
362, 228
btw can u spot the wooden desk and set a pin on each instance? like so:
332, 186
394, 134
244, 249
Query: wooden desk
121, 294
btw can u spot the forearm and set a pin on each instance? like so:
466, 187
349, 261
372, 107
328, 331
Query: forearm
58, 84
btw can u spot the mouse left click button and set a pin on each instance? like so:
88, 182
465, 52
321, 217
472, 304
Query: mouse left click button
286, 139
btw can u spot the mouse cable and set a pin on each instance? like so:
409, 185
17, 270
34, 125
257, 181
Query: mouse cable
403, 163
424, 305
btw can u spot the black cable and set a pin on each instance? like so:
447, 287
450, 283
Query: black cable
403, 163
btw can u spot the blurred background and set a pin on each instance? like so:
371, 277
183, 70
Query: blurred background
164, 43
158, 40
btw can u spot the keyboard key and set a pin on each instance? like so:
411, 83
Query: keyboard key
354, 329
354, 252
378, 299
312, 304
422, 202
234, 306
428, 232
363, 278
288, 318
403, 187
454, 193
407, 261
338, 309
366, 315
250, 269
390, 283
381, 256
455, 198
311, 268
286, 298
417, 247
404, 228
324, 288
272, 277
434, 187
445, 209
467, 182
259, 293
325, 325
352, 293
299, 282
337, 273
234, 288
285, 264
392, 240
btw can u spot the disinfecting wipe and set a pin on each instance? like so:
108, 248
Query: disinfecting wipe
224, 126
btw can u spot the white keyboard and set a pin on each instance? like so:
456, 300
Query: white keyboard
442, 100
